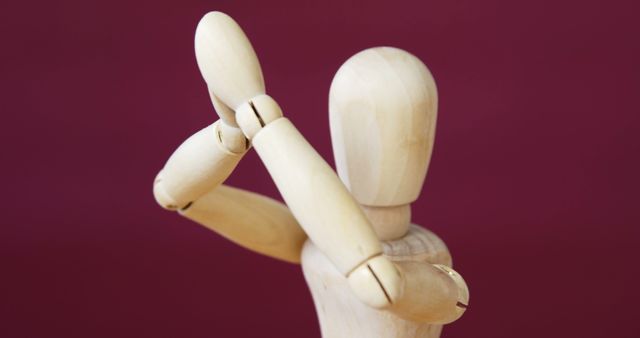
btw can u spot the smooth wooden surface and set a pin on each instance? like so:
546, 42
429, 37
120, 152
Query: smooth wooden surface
227, 60
197, 166
382, 110
226, 114
232, 138
383, 105
431, 294
316, 197
341, 314
253, 221
253, 115
389, 222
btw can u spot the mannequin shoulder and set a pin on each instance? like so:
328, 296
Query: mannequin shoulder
420, 245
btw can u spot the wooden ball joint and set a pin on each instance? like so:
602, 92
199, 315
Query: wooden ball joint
370, 272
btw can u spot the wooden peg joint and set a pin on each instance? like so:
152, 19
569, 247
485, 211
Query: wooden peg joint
377, 282
231, 138
186, 206
386, 294
256, 114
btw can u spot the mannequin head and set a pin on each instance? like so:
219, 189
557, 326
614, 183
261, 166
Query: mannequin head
382, 109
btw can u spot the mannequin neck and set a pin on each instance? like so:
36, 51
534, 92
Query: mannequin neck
389, 222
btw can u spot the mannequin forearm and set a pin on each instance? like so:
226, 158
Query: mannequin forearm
199, 165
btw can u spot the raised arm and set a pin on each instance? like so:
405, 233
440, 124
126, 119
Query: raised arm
318, 200
190, 183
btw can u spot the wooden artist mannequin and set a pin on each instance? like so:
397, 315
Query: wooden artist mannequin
383, 107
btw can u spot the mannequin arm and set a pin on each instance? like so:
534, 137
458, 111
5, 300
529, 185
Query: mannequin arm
251, 220
433, 292
199, 165
318, 199
320, 202
189, 183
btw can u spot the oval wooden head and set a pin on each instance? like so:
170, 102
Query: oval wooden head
227, 60
383, 104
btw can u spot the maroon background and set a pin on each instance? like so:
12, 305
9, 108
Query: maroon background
533, 183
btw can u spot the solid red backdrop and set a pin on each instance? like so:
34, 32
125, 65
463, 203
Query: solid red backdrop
533, 183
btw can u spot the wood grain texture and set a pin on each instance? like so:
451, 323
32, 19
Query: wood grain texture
227, 60
382, 109
389, 222
197, 166
253, 221
341, 314
431, 294
316, 197
383, 106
